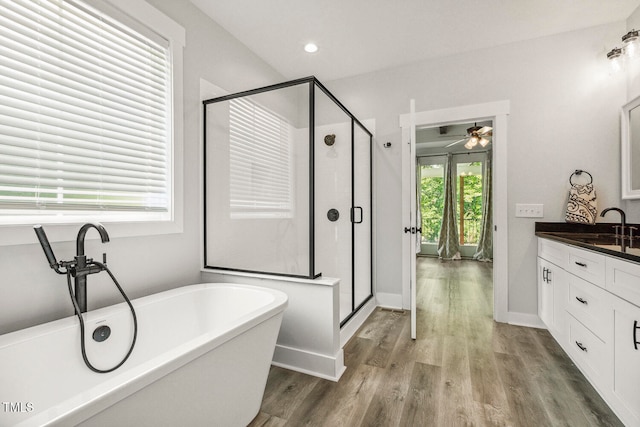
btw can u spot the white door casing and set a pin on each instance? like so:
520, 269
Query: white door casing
497, 112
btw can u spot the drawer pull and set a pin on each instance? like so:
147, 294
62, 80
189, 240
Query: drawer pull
583, 301
581, 347
581, 264
635, 334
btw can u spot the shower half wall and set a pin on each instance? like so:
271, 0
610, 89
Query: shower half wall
288, 194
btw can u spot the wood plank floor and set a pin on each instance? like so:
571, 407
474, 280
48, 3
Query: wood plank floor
462, 370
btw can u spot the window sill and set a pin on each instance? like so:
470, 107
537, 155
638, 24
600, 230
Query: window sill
24, 234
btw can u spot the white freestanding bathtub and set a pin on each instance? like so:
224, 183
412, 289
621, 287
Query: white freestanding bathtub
202, 358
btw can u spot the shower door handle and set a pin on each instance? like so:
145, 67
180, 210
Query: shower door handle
353, 216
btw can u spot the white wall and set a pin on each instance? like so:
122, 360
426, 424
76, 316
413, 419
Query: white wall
564, 116
30, 293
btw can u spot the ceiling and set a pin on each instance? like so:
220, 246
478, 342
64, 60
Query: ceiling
361, 36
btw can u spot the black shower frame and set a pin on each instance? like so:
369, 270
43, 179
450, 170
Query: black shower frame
313, 82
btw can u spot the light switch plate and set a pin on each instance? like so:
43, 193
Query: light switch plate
529, 210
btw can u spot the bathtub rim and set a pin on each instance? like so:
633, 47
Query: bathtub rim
122, 383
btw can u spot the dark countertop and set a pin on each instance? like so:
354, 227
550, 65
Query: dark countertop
599, 237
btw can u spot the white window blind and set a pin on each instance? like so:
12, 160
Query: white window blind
84, 112
260, 162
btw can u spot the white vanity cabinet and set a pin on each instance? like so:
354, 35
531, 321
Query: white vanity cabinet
591, 306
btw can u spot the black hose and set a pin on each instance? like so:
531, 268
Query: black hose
79, 314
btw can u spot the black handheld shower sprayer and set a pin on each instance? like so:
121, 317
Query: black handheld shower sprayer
80, 268
46, 247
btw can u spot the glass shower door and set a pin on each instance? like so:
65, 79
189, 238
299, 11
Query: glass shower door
361, 215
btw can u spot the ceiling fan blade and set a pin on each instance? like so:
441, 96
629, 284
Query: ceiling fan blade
485, 130
454, 143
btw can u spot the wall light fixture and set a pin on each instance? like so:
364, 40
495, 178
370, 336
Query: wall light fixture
615, 58
630, 43
630, 50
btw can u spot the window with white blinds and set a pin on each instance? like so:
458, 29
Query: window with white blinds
260, 162
85, 113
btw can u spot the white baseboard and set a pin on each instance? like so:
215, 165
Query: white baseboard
525, 319
318, 365
389, 300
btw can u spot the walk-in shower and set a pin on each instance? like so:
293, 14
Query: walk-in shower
288, 188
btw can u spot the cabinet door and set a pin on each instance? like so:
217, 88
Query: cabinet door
552, 297
627, 357
545, 292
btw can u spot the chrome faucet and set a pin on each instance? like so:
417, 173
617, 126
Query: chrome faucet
81, 266
623, 218
84, 266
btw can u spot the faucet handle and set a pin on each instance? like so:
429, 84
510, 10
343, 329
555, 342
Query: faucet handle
631, 228
617, 230
104, 258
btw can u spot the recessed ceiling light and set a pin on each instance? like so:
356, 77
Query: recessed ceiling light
310, 48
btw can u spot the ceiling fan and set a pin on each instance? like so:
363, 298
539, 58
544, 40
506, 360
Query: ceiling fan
475, 135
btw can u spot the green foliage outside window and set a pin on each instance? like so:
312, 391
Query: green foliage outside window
472, 208
432, 206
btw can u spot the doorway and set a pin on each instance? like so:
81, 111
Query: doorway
497, 112
436, 147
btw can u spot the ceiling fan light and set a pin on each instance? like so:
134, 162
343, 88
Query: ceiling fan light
472, 142
484, 142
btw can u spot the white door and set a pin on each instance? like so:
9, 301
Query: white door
411, 222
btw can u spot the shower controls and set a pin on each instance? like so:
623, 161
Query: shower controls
330, 139
333, 215
101, 333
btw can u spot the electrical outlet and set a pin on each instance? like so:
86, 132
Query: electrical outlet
529, 210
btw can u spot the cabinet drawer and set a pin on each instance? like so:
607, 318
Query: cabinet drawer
590, 305
623, 279
588, 265
588, 351
554, 252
